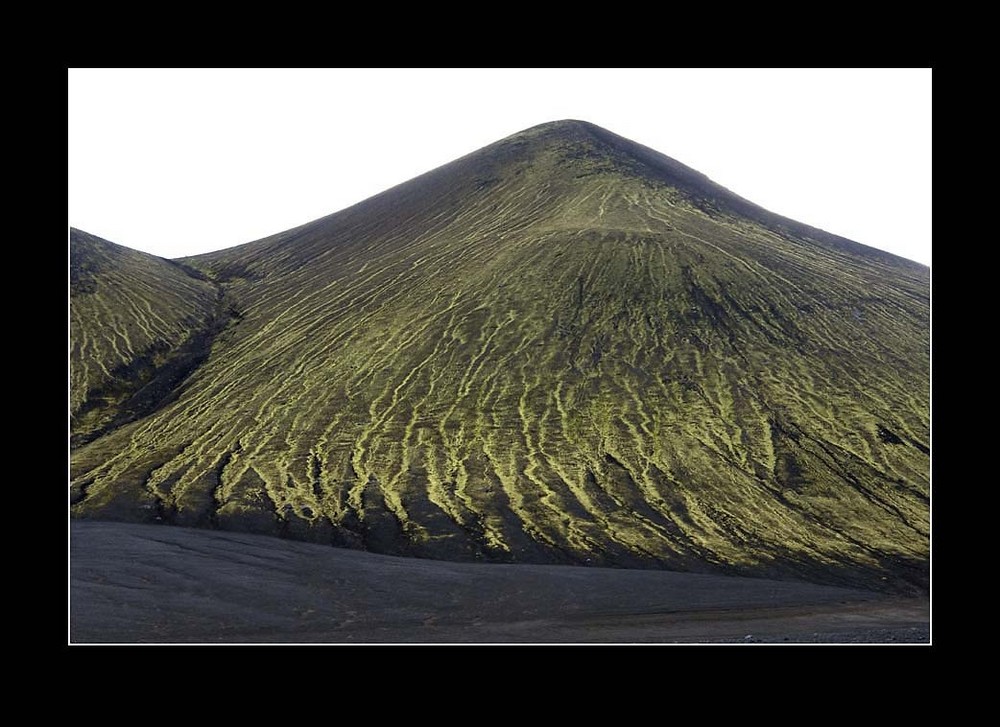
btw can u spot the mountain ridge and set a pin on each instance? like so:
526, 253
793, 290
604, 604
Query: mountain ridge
570, 130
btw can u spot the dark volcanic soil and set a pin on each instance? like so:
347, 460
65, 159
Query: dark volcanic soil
146, 583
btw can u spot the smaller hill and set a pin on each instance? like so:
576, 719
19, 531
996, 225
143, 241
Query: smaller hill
138, 325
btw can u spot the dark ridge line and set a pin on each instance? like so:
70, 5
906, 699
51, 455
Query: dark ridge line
216, 501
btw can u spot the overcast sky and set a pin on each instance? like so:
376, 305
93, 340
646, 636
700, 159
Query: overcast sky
179, 162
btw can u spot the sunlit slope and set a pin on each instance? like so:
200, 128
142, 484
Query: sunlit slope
561, 348
135, 324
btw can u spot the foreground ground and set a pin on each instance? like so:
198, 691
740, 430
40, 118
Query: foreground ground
146, 583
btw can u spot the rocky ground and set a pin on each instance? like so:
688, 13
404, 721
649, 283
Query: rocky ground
158, 584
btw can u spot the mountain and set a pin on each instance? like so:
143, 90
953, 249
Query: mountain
562, 348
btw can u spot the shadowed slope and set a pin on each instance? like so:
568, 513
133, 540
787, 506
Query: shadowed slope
562, 348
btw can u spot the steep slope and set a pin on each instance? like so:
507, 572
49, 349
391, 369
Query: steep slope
137, 326
564, 347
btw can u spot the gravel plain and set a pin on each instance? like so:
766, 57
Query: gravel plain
140, 584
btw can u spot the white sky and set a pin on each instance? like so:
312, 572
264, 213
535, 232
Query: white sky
182, 161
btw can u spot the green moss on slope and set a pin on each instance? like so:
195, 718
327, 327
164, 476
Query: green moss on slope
558, 349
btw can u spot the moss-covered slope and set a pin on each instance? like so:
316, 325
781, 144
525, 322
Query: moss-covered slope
137, 327
564, 347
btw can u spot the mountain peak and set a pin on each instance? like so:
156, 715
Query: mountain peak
562, 126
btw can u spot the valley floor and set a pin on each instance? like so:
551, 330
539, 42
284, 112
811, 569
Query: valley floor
159, 584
